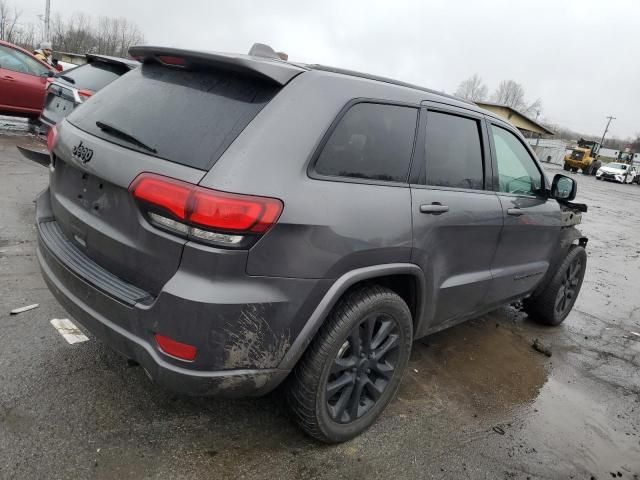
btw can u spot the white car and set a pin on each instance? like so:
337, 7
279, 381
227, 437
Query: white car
618, 172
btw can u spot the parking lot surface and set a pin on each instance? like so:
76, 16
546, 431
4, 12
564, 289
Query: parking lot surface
477, 402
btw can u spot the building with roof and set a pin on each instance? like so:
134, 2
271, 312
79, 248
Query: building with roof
527, 126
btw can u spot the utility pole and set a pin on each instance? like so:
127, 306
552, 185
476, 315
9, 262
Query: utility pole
606, 129
537, 139
47, 14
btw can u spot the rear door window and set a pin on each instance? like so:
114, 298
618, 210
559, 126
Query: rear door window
188, 117
94, 76
453, 151
372, 141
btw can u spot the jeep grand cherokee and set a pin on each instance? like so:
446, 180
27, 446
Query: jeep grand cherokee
234, 221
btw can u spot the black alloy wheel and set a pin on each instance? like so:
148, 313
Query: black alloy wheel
363, 368
353, 367
569, 287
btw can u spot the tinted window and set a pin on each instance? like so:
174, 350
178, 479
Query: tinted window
517, 171
16, 61
453, 152
372, 141
188, 117
94, 76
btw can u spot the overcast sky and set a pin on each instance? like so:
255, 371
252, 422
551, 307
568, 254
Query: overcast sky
579, 56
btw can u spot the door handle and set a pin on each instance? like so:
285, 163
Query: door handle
516, 212
434, 208
11, 79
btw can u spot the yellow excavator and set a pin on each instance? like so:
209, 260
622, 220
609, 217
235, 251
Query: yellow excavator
583, 157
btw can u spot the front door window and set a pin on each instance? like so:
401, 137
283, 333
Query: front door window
517, 171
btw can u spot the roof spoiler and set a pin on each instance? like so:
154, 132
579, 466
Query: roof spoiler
92, 57
259, 63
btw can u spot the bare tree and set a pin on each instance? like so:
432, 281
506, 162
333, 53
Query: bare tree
533, 109
511, 93
472, 89
79, 33
8, 21
115, 35
75, 35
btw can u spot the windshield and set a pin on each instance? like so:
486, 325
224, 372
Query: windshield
617, 166
187, 117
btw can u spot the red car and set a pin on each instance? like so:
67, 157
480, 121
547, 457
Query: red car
23, 81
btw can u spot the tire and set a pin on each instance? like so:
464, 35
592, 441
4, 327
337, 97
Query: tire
574, 170
337, 345
566, 167
598, 178
548, 307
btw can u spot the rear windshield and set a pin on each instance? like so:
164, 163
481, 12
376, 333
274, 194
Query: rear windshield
187, 117
94, 76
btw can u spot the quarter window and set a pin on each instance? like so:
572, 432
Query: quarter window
372, 141
517, 171
453, 152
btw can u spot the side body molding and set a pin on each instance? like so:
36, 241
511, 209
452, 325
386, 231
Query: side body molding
335, 292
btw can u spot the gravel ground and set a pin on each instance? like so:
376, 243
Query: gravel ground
478, 400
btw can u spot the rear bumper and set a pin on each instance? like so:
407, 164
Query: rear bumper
241, 332
245, 382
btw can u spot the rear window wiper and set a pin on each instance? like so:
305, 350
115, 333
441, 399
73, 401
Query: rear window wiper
67, 79
116, 132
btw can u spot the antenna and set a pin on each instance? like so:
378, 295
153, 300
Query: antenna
265, 51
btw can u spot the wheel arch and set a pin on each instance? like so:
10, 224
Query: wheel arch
568, 237
405, 279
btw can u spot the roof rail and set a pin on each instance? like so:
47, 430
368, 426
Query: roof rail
378, 78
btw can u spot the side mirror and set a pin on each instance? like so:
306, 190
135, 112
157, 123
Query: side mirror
563, 188
50, 73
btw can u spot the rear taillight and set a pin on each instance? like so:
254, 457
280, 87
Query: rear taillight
52, 138
84, 94
210, 216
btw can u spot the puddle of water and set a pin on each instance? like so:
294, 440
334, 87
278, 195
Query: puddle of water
593, 433
477, 365
559, 414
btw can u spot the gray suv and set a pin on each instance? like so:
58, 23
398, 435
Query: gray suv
237, 222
